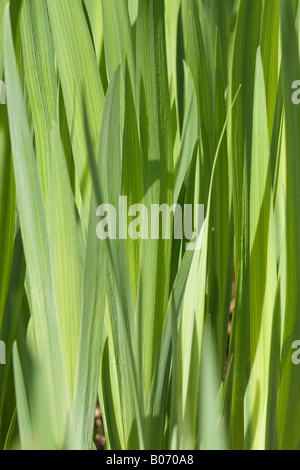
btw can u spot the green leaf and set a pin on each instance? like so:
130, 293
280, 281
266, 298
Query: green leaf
263, 270
91, 328
288, 404
243, 72
11, 314
80, 80
35, 237
40, 76
269, 47
198, 63
67, 253
118, 39
156, 141
7, 191
22, 404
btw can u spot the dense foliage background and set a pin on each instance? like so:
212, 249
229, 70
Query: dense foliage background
175, 101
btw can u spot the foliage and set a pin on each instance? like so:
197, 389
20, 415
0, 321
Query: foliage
164, 102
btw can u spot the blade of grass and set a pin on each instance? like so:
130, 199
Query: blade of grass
155, 124
263, 270
40, 76
11, 314
67, 253
79, 75
246, 42
269, 48
92, 319
35, 238
22, 404
118, 39
288, 405
7, 191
